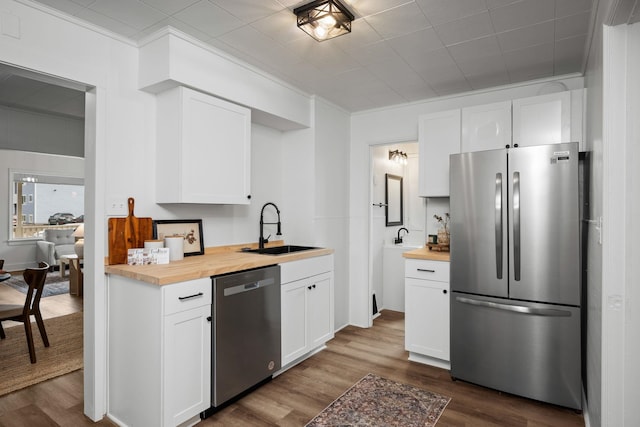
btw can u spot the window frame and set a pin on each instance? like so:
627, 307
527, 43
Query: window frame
39, 177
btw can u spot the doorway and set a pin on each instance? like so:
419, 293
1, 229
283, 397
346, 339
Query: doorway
382, 164
45, 137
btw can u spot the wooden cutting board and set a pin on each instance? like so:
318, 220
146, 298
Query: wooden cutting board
127, 233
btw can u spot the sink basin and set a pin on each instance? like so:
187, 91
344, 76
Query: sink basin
279, 250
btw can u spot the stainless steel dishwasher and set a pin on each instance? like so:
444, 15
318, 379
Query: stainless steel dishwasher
246, 331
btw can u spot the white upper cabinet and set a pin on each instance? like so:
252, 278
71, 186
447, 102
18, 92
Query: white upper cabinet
544, 119
486, 127
438, 137
203, 149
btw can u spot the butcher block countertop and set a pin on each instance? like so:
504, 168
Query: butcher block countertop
425, 253
216, 260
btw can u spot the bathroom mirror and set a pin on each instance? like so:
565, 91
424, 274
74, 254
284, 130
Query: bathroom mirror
393, 199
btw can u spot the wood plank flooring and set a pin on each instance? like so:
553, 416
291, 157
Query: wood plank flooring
299, 394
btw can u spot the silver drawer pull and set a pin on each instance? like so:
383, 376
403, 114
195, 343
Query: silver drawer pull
198, 295
426, 271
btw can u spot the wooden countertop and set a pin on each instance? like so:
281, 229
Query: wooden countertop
216, 260
425, 253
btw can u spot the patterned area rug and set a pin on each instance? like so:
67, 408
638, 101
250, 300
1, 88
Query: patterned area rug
54, 285
376, 401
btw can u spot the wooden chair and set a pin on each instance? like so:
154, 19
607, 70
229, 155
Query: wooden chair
3, 274
35, 278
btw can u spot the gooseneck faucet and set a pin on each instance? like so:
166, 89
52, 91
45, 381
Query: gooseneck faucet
399, 239
262, 240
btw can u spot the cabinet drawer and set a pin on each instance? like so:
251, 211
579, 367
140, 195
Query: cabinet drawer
186, 295
425, 269
300, 269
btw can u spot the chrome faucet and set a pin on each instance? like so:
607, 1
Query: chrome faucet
262, 240
399, 239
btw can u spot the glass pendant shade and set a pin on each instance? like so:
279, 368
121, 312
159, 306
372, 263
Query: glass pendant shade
324, 19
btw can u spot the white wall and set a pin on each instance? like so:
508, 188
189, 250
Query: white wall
44, 133
632, 228
620, 233
19, 255
390, 125
316, 192
593, 83
331, 200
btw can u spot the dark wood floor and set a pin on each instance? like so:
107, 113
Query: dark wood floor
296, 396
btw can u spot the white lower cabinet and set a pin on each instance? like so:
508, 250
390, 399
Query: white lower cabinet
307, 306
427, 311
159, 344
188, 352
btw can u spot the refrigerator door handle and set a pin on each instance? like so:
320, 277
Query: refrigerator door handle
549, 312
498, 223
516, 225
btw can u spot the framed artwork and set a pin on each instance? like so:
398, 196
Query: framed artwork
189, 229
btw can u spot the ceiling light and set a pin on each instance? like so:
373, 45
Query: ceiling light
324, 19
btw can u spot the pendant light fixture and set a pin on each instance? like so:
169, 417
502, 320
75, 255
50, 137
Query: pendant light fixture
324, 19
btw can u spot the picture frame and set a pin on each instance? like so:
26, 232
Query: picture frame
190, 229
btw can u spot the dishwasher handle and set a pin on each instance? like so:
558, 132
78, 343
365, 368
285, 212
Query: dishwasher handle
248, 287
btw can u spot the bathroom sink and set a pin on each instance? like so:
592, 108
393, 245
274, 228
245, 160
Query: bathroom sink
280, 250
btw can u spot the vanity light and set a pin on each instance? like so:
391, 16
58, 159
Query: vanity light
398, 156
324, 19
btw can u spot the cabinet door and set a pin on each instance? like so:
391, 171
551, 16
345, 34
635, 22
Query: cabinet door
486, 127
294, 320
544, 119
217, 140
427, 318
187, 364
319, 312
203, 149
439, 136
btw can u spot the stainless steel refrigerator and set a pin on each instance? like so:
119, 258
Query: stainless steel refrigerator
515, 271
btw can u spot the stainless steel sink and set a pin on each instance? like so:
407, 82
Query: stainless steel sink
280, 250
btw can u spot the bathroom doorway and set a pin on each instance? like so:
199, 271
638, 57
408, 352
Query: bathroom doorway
399, 160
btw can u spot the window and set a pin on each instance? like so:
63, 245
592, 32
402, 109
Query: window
42, 201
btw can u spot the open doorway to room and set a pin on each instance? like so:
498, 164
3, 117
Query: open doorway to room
42, 159
396, 211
